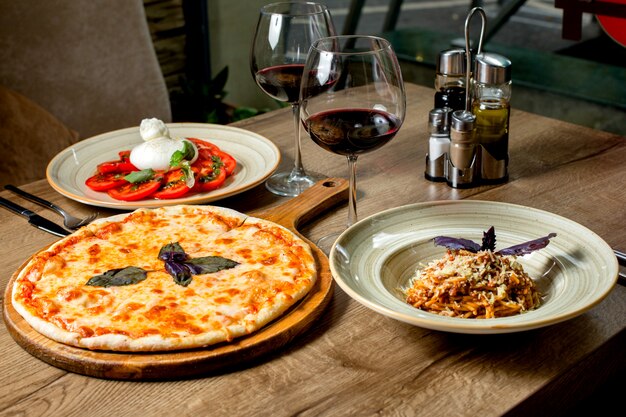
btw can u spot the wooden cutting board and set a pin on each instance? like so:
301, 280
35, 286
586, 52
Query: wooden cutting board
181, 364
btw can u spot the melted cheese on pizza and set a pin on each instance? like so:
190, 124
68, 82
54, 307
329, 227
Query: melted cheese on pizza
275, 269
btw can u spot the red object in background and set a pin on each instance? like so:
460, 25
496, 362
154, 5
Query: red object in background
615, 27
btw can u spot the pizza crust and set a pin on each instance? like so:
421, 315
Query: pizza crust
275, 270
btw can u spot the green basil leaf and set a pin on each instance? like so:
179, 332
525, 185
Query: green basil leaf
210, 264
176, 158
172, 252
187, 153
118, 277
140, 176
217, 163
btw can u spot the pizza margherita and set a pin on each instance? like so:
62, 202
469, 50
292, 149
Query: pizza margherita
171, 278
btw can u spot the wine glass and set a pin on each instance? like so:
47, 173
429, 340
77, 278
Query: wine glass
352, 101
283, 36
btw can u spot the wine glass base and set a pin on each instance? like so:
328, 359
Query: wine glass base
325, 243
288, 184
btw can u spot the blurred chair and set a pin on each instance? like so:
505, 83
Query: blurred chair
71, 69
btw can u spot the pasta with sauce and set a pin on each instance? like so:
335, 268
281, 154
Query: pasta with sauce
466, 284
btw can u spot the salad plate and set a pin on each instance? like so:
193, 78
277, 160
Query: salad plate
375, 259
257, 158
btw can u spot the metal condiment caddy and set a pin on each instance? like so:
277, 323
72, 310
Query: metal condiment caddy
469, 147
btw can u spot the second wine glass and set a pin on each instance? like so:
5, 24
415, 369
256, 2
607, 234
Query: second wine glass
284, 33
353, 101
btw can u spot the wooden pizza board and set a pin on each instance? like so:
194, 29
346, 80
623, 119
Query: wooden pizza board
181, 364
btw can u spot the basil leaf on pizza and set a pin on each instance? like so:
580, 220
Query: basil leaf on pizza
118, 277
233, 274
210, 264
181, 267
172, 252
180, 273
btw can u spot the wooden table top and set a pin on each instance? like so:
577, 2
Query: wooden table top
354, 361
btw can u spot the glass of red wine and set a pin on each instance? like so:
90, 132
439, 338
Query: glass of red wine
352, 101
284, 33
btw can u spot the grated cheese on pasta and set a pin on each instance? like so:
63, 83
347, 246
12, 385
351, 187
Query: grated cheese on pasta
473, 285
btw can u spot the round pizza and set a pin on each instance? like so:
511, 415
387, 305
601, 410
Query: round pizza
177, 277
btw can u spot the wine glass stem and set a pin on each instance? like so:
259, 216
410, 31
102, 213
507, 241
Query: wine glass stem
298, 169
352, 218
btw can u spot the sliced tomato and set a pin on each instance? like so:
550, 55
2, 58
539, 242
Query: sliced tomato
203, 144
203, 168
121, 165
215, 179
137, 191
229, 162
116, 166
172, 191
205, 153
174, 186
103, 182
207, 150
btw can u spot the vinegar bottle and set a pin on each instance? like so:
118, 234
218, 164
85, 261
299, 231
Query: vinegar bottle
450, 79
491, 106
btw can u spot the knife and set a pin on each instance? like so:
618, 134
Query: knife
35, 219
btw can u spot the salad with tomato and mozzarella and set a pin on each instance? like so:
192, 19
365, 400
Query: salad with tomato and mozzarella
163, 167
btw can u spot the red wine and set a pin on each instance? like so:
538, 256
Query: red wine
282, 82
352, 131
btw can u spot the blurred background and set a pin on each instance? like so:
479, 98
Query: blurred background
582, 81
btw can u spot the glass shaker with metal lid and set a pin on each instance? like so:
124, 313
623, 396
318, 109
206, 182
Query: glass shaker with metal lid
438, 143
491, 106
462, 159
450, 79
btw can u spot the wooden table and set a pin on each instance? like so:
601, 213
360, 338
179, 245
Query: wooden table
354, 361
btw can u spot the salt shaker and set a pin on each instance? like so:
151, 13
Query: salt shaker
438, 144
450, 79
491, 106
462, 160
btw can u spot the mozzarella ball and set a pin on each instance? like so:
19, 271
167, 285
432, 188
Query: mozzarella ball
154, 128
157, 153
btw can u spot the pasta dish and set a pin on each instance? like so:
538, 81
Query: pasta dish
483, 284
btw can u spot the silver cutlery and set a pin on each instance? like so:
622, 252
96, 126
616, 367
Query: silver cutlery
621, 259
35, 219
69, 221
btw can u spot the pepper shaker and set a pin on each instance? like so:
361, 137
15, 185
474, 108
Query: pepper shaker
462, 160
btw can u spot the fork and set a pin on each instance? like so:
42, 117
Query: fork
69, 221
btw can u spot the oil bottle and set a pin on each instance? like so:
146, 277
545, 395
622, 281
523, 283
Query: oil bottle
491, 106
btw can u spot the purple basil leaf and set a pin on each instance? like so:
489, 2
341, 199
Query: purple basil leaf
489, 240
456, 243
180, 272
527, 247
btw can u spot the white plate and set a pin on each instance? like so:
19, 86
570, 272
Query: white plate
257, 158
377, 256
